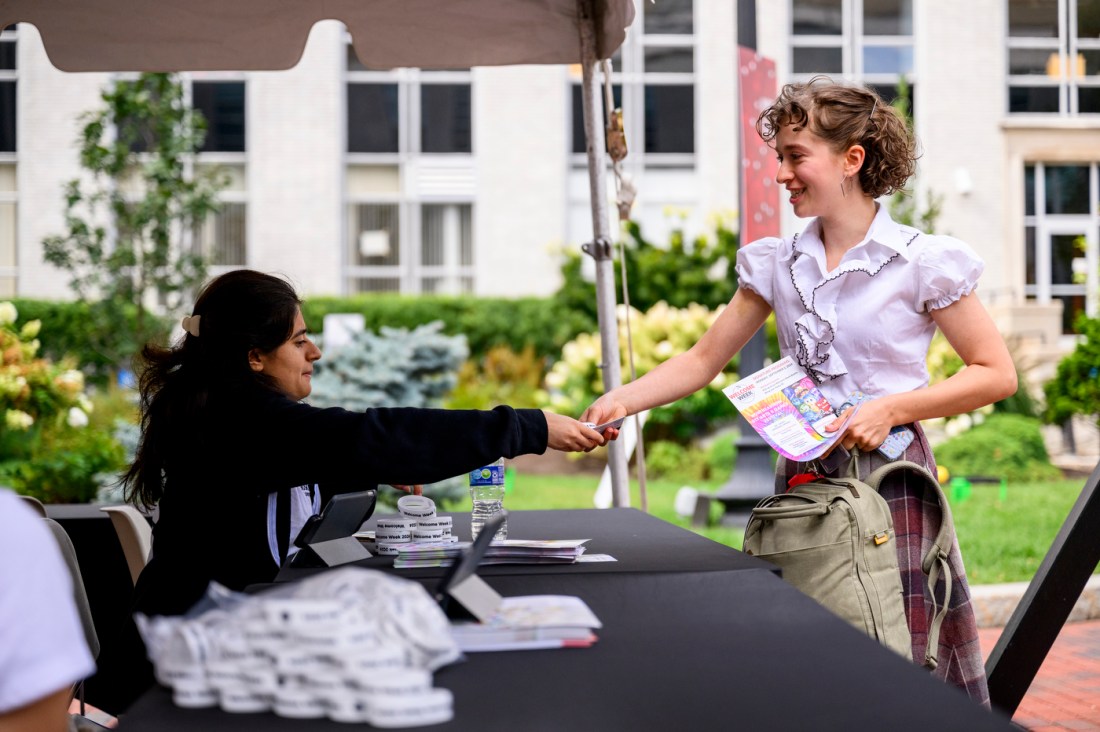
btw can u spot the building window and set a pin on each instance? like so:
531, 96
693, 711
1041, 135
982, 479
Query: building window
373, 118
1062, 237
447, 251
1054, 56
9, 260
408, 111
223, 237
8, 72
9, 193
397, 245
869, 41
222, 104
409, 143
654, 83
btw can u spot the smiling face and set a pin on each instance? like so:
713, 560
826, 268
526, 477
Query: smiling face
291, 364
813, 173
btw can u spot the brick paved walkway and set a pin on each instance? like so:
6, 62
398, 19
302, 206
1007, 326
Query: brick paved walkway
1065, 694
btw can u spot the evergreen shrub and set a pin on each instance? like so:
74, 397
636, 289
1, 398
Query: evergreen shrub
1075, 388
395, 367
1006, 446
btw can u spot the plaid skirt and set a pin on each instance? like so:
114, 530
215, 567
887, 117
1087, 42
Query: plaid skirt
916, 522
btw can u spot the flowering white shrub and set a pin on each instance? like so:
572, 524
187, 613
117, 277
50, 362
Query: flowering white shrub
32, 388
576, 379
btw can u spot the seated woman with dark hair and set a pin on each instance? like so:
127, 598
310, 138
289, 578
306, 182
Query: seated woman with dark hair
225, 436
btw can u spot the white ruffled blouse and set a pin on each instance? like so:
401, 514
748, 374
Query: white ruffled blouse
866, 325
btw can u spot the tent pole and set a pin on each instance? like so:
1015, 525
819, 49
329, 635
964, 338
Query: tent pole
600, 248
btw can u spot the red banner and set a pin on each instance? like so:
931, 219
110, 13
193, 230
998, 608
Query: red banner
759, 191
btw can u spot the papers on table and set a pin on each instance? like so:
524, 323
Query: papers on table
509, 551
528, 622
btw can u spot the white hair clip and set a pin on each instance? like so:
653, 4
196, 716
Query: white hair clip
190, 324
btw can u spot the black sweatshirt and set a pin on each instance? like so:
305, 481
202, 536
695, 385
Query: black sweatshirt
213, 514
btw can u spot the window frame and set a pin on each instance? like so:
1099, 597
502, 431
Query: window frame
1067, 46
852, 42
630, 74
408, 272
223, 157
1044, 225
11, 157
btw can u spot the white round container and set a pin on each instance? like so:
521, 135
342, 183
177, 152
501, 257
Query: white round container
194, 695
417, 507
395, 522
299, 704
241, 700
392, 536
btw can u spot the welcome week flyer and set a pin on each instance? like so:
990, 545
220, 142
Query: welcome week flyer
784, 405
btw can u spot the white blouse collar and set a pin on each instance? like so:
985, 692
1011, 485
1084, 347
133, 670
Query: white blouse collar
884, 234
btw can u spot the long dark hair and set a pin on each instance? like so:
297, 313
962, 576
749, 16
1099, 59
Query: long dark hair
237, 312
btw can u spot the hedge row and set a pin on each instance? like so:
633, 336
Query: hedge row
77, 330
540, 323
70, 328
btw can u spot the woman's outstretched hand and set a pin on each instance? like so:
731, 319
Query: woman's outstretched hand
568, 434
412, 490
603, 410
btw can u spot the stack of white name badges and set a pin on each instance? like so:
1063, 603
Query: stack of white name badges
417, 524
352, 644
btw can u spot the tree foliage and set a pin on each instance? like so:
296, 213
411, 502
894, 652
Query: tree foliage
683, 272
129, 218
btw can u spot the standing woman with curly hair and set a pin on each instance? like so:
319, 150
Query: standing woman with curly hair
857, 298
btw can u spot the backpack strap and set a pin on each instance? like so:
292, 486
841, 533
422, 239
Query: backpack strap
936, 559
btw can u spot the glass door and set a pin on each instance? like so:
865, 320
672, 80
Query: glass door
1063, 264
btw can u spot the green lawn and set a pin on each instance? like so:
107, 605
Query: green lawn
1002, 541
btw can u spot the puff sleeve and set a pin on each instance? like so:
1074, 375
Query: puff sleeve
949, 270
756, 265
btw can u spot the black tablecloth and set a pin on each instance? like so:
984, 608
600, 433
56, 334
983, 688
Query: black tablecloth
639, 542
678, 650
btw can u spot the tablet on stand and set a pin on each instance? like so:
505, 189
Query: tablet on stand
327, 538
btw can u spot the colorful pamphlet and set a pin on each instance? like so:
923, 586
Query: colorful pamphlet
787, 409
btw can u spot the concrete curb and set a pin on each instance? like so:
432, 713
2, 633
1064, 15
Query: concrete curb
994, 604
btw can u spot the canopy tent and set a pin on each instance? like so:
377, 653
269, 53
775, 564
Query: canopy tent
244, 35
251, 35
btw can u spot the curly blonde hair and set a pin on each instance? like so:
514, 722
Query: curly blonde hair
844, 115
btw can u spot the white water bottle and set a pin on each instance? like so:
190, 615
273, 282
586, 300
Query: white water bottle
487, 494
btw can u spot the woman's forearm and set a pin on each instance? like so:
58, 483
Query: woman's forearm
974, 387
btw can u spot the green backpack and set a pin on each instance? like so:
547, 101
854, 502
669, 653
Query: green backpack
833, 539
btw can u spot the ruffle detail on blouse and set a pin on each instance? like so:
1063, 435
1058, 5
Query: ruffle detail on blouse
817, 327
